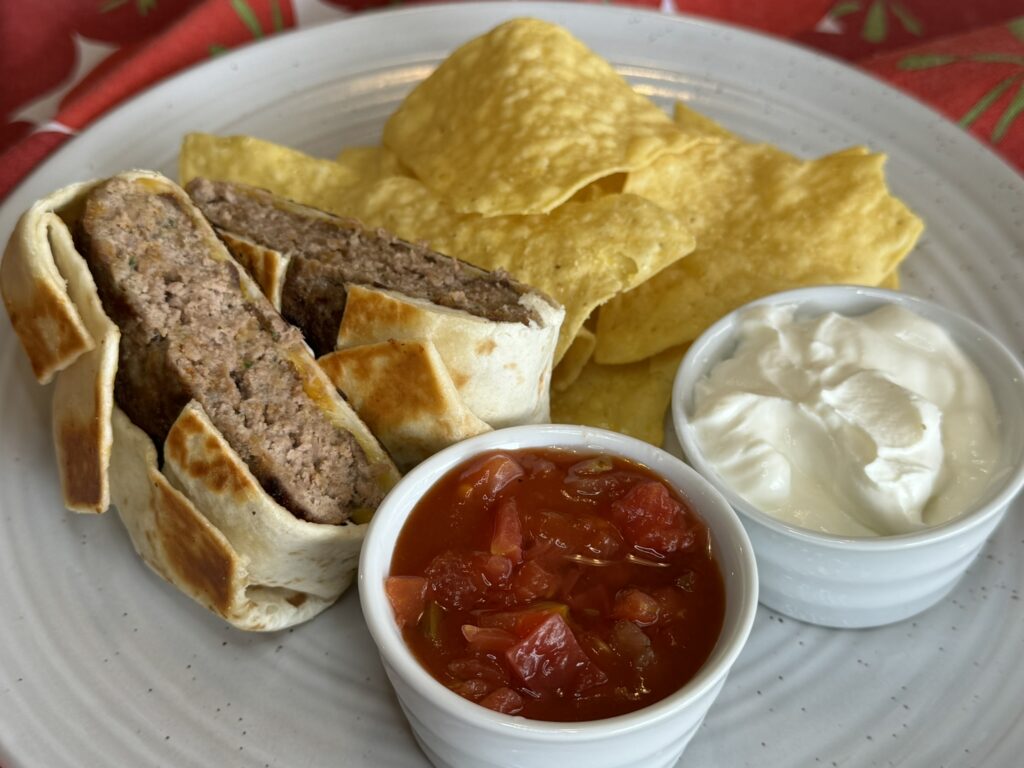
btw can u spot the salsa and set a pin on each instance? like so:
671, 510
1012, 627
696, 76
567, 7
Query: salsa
556, 585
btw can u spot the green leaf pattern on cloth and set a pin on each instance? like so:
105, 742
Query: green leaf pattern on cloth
1011, 113
248, 17
876, 20
143, 7
922, 61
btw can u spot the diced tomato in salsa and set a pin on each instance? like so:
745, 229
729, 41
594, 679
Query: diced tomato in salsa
550, 661
636, 606
488, 477
524, 582
408, 596
473, 689
487, 639
578, 533
508, 534
460, 580
503, 700
523, 621
652, 520
485, 668
534, 582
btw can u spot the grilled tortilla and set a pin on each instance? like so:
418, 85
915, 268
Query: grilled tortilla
346, 287
150, 310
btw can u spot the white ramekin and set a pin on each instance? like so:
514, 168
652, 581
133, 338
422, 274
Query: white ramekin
456, 733
863, 582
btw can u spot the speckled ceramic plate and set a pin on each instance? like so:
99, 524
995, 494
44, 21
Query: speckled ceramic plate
102, 664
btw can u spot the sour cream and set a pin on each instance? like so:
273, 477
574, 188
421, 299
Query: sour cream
855, 426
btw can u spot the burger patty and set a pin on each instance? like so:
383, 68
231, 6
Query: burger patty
188, 332
327, 252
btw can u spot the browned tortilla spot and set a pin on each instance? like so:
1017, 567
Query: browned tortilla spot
418, 391
48, 335
82, 472
177, 439
297, 599
486, 346
197, 558
378, 311
220, 473
263, 264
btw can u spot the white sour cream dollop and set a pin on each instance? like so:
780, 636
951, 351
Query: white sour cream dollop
853, 426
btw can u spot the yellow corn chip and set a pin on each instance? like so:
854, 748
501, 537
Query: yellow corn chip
261, 163
519, 119
327, 184
891, 281
765, 221
581, 254
629, 398
692, 122
606, 185
573, 361
372, 163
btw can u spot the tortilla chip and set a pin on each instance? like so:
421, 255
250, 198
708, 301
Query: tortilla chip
569, 369
891, 281
692, 122
631, 399
607, 185
372, 163
327, 184
517, 120
765, 221
289, 173
404, 393
581, 254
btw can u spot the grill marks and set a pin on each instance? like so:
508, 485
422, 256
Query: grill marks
188, 332
326, 253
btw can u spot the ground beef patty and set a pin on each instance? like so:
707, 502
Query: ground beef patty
188, 332
327, 252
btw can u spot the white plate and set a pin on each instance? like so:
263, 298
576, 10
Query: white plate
102, 664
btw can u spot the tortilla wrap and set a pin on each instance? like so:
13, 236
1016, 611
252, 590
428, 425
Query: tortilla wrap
404, 392
45, 319
484, 357
206, 526
502, 371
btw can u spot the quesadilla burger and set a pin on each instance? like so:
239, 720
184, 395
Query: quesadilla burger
346, 286
243, 477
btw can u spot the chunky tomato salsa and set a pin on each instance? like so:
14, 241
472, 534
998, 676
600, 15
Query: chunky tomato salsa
555, 585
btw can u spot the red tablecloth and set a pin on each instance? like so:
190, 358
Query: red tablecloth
65, 62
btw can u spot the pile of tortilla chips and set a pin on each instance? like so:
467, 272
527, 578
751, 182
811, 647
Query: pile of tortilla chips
525, 150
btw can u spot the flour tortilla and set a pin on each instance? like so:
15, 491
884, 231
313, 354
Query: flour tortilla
44, 317
83, 395
502, 371
227, 545
404, 392
267, 267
